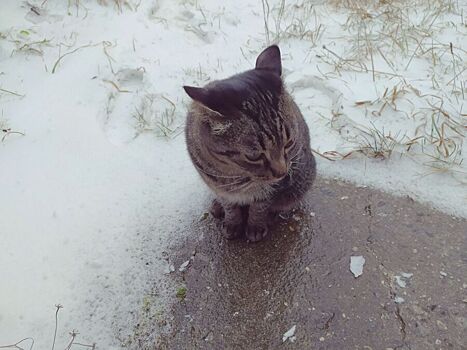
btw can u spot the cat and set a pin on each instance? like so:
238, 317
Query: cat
249, 142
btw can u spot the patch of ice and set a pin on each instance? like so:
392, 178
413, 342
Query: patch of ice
356, 265
169, 269
289, 334
400, 281
399, 300
184, 266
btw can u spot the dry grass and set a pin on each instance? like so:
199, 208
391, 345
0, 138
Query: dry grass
375, 143
25, 41
120, 5
6, 131
198, 75
30, 341
296, 20
388, 39
156, 114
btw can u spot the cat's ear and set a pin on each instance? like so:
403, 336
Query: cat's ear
270, 59
206, 97
198, 94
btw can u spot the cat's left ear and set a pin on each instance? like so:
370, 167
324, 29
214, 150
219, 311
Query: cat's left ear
198, 94
207, 98
270, 59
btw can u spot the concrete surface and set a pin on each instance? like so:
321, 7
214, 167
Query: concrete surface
246, 296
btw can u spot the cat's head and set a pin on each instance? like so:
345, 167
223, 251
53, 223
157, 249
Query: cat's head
248, 122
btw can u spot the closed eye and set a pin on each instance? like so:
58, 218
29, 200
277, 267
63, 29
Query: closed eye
227, 153
254, 158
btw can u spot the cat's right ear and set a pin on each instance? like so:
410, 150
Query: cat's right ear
203, 96
270, 59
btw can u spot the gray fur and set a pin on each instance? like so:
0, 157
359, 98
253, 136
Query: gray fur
250, 144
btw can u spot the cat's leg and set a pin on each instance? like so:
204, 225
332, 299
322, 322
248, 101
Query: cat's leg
217, 210
234, 221
257, 227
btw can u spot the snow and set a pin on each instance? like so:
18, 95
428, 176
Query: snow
94, 192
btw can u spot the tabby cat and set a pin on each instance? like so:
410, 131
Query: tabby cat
250, 144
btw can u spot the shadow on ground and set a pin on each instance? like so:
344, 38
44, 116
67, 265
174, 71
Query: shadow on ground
246, 296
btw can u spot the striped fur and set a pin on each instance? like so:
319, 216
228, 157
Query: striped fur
250, 144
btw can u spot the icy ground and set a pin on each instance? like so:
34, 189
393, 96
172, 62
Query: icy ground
94, 174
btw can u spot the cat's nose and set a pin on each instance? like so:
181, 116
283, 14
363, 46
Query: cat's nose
279, 170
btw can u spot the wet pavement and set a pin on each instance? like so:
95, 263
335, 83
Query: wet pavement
241, 295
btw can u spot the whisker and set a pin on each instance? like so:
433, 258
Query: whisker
233, 183
296, 156
290, 172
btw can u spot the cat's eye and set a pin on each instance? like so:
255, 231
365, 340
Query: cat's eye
256, 158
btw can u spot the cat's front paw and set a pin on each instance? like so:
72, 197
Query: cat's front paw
255, 233
233, 231
217, 210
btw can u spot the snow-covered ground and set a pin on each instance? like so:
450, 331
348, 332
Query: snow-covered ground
94, 174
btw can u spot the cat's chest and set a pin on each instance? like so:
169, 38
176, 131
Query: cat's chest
255, 192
